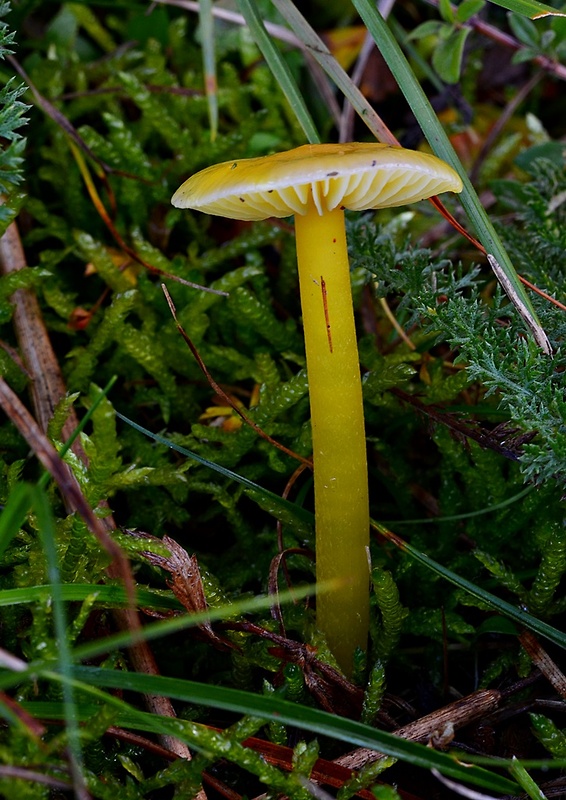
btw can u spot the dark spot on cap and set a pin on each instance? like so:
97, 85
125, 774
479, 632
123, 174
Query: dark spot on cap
269, 191
373, 163
332, 174
242, 200
234, 165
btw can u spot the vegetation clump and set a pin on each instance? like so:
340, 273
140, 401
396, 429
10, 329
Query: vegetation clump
157, 538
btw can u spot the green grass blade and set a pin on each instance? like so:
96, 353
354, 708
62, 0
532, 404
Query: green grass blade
279, 68
113, 596
529, 8
302, 717
300, 518
320, 52
468, 515
206, 23
46, 527
175, 624
523, 618
438, 140
152, 631
525, 781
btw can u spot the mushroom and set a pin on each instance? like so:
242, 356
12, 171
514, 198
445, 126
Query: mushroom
316, 183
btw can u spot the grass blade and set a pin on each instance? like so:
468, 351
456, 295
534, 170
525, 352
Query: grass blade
523, 618
112, 595
181, 622
281, 509
320, 52
529, 8
525, 781
206, 22
46, 527
20, 498
438, 140
302, 717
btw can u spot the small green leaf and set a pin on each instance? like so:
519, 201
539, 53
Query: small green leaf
446, 11
524, 55
13, 513
431, 27
525, 30
549, 735
546, 39
553, 151
447, 58
468, 8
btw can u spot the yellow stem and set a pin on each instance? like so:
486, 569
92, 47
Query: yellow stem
339, 447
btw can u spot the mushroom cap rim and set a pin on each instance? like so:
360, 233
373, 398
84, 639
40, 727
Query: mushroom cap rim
342, 171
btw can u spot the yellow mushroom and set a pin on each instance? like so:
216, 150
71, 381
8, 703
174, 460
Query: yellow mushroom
316, 183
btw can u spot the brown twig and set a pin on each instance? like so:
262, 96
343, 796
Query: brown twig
503, 118
332, 690
451, 717
46, 382
454, 423
221, 393
345, 129
273, 582
544, 662
280, 558
23, 774
501, 38
61, 120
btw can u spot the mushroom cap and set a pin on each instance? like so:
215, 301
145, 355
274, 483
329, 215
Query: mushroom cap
356, 176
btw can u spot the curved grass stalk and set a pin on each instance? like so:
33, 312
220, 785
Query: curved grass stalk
206, 21
441, 145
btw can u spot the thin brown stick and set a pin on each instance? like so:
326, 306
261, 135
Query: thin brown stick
23, 774
220, 392
280, 547
544, 662
60, 119
501, 38
346, 126
540, 292
453, 716
46, 382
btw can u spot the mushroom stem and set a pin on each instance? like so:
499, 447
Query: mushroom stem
339, 446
